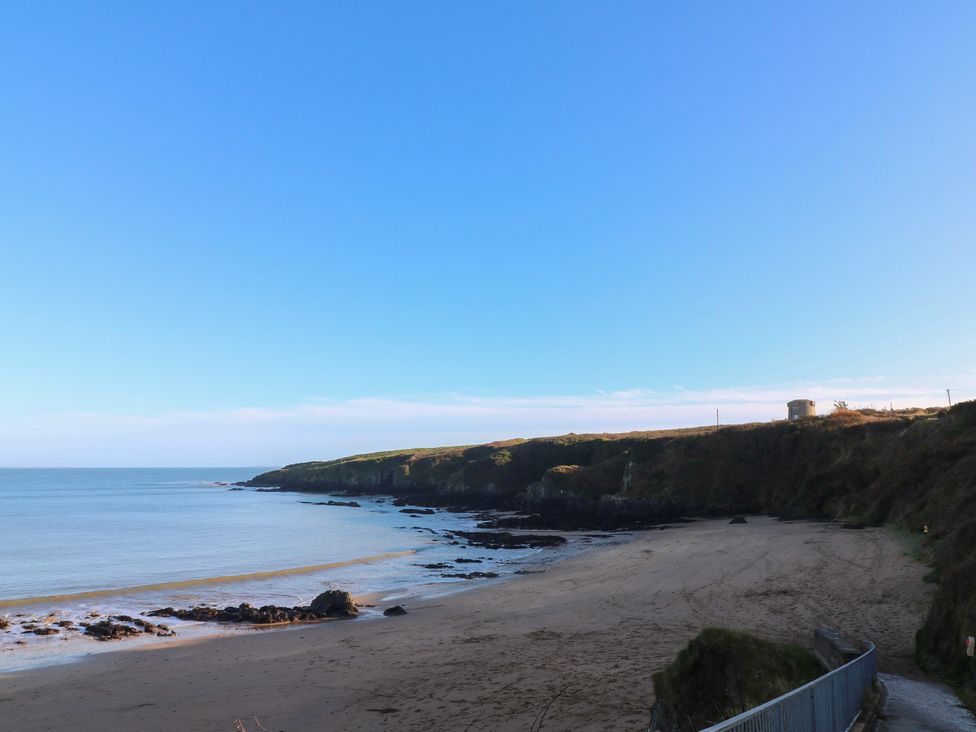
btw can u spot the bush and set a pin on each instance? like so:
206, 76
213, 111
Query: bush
722, 672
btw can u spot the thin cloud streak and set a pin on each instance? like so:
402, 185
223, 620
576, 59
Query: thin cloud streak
324, 428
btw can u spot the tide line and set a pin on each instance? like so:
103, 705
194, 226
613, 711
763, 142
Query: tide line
179, 584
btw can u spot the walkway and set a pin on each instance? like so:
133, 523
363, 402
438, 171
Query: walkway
922, 706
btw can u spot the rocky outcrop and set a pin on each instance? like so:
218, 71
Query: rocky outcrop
45, 630
346, 504
505, 540
334, 604
329, 604
105, 630
243, 613
395, 610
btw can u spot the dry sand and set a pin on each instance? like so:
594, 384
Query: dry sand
573, 647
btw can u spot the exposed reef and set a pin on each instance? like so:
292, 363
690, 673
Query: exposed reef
329, 604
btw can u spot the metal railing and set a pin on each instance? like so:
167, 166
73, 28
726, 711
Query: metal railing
830, 703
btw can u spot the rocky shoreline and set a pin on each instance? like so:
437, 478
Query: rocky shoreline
330, 604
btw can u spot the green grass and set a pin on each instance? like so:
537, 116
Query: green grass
914, 543
723, 672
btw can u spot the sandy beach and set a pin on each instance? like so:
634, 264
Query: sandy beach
570, 648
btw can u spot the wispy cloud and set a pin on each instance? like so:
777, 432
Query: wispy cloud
323, 428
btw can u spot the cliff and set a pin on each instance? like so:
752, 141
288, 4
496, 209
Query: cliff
914, 470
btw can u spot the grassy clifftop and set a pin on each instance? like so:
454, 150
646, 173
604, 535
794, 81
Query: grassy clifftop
913, 470
849, 464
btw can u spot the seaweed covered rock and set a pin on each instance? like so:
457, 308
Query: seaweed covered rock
345, 504
106, 630
243, 613
329, 604
505, 540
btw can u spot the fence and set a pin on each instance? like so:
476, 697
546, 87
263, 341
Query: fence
830, 703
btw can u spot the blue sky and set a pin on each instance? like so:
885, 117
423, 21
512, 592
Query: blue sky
236, 213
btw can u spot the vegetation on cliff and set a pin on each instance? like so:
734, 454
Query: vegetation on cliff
914, 470
721, 673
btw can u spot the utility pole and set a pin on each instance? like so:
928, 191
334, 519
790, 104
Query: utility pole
949, 397
716, 418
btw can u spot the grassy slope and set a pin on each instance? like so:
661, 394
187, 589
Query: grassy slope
721, 673
910, 470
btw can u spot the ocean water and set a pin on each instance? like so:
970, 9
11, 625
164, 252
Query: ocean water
76, 542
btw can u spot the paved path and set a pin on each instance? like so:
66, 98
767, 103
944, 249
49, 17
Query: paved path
921, 706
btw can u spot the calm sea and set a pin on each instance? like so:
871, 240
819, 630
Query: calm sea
109, 541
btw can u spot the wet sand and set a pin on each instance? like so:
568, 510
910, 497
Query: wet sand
572, 648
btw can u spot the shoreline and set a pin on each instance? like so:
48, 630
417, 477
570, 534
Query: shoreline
199, 581
582, 636
74, 647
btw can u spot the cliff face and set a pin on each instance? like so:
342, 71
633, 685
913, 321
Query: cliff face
914, 471
877, 467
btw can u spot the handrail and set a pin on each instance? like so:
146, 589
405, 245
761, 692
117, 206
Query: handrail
830, 703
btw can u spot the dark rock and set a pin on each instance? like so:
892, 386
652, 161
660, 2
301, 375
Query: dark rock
582, 519
236, 488
395, 610
46, 631
472, 575
334, 603
243, 613
739, 520
105, 630
425, 511
65, 623
436, 565
505, 540
347, 504
462, 560
146, 627
4, 624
